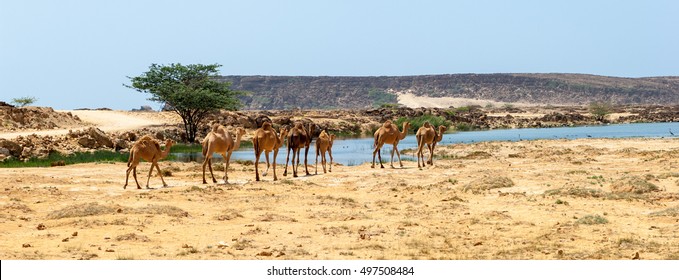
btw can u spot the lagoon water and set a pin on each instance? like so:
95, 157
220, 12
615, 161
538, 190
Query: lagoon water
356, 151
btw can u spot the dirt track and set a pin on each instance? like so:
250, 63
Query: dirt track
554, 200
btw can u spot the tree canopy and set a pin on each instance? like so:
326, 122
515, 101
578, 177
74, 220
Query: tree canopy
190, 90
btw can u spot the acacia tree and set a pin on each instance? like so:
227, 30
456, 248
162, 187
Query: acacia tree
191, 90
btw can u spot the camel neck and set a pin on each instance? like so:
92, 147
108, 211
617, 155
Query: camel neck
238, 139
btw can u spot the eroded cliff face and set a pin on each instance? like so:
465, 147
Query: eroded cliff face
291, 92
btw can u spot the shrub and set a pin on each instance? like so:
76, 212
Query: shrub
417, 122
592, 220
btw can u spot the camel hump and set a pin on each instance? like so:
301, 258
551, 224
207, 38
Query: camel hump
323, 134
215, 127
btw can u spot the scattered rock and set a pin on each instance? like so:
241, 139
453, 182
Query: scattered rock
265, 254
26, 245
41, 227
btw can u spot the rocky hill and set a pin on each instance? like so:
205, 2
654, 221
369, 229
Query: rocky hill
291, 92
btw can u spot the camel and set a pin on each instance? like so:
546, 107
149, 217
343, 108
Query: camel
323, 144
427, 135
298, 137
148, 149
389, 134
265, 140
220, 141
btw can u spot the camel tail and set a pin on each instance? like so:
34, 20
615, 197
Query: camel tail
205, 145
129, 159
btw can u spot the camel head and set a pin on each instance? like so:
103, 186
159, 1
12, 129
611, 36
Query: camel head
332, 139
387, 124
169, 143
240, 131
299, 126
426, 124
266, 125
284, 132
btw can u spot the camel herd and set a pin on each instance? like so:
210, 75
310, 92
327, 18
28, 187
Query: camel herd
266, 140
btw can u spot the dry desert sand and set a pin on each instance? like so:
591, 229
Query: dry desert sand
545, 199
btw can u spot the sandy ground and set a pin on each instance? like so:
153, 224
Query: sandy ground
559, 204
107, 121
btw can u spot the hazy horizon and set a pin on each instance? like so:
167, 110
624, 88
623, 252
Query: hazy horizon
78, 54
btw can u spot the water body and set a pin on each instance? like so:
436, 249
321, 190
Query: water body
359, 150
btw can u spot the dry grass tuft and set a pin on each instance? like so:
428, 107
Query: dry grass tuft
490, 182
82, 210
633, 184
228, 215
132, 237
161, 209
673, 212
269, 217
17, 206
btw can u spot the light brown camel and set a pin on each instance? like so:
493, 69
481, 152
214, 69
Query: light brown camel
265, 140
148, 149
297, 138
389, 134
323, 144
427, 135
220, 141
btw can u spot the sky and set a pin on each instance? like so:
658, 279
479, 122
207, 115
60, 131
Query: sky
78, 54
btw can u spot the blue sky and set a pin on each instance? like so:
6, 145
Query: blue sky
76, 53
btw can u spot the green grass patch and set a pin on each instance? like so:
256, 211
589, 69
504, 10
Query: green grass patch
75, 158
417, 122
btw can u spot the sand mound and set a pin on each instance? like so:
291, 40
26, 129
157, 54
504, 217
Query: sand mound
633, 184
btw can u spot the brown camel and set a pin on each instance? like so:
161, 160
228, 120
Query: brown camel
389, 134
220, 141
265, 140
298, 138
148, 149
323, 144
427, 135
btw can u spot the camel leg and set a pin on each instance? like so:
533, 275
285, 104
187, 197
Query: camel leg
160, 174
399, 156
226, 167
149, 177
306, 156
209, 164
317, 151
127, 175
287, 158
379, 157
392, 157
206, 161
324, 162
257, 154
374, 153
418, 153
330, 167
266, 155
275, 153
431, 154
295, 155
134, 174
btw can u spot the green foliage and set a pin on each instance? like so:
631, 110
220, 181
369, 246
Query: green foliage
463, 126
24, 101
191, 90
381, 98
599, 110
417, 122
96, 156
